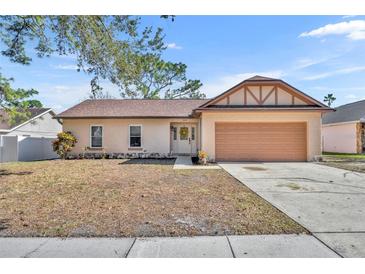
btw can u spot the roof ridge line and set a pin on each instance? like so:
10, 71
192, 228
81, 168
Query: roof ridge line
350, 103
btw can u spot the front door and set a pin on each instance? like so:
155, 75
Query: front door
184, 139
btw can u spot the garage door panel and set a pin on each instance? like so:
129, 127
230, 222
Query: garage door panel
261, 141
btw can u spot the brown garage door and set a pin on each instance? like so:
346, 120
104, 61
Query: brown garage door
261, 141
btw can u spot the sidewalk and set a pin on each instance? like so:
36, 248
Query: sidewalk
265, 246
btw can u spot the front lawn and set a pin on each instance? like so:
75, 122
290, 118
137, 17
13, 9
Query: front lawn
129, 198
343, 155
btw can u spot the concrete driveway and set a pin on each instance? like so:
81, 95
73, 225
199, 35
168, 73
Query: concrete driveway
329, 202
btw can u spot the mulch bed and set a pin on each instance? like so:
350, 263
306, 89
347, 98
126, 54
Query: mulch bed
138, 197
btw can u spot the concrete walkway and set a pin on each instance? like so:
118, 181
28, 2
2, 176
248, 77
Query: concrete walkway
328, 201
184, 162
250, 246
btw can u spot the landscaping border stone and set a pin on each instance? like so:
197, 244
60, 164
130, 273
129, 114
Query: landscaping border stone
119, 155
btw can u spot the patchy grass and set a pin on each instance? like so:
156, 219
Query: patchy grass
292, 186
347, 161
349, 165
255, 168
343, 155
130, 198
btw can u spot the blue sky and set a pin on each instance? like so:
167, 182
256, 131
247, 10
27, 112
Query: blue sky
316, 54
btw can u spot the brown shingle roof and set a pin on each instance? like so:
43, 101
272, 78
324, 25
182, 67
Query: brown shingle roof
261, 78
4, 117
124, 108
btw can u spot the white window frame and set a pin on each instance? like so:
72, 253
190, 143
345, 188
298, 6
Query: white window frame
129, 135
102, 136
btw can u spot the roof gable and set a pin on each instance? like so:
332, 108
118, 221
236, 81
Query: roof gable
34, 113
263, 92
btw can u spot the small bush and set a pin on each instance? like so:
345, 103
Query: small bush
202, 154
64, 144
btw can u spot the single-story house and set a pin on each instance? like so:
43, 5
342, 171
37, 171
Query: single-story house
343, 131
28, 140
39, 124
259, 119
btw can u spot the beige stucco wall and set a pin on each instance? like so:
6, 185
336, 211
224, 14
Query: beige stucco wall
339, 137
312, 118
155, 133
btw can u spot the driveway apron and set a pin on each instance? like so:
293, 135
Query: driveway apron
329, 202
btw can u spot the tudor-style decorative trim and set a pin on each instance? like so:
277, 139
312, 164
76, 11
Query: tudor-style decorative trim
258, 101
271, 82
268, 95
245, 95
276, 95
260, 95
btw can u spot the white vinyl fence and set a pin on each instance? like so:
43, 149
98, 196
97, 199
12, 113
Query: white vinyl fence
8, 148
18, 148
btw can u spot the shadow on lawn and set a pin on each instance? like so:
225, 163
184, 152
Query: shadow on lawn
4, 224
4, 172
148, 162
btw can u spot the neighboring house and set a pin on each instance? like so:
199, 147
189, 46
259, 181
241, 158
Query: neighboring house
344, 130
31, 139
39, 124
260, 119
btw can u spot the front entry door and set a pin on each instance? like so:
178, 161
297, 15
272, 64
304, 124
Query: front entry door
184, 139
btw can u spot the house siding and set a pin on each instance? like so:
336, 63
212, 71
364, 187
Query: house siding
341, 137
155, 134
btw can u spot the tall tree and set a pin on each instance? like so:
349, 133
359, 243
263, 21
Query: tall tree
16, 102
154, 77
329, 99
115, 48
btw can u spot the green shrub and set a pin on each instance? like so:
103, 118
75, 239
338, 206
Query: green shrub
64, 143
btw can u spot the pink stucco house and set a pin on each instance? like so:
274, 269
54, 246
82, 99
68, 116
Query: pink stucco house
343, 131
259, 119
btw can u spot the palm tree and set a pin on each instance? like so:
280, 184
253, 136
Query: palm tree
329, 99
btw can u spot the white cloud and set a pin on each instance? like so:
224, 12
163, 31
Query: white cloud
351, 97
173, 46
348, 16
308, 62
214, 88
335, 72
65, 67
354, 30
357, 35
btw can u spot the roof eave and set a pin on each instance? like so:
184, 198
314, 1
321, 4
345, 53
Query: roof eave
124, 117
264, 109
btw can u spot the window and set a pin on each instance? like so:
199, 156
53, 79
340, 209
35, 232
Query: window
192, 133
96, 136
174, 130
135, 136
